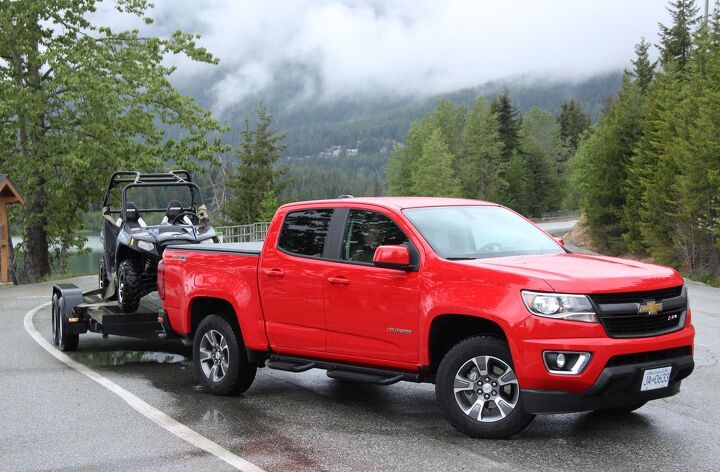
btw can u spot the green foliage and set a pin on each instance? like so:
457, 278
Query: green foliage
256, 180
676, 41
573, 123
643, 69
601, 164
509, 123
433, 175
78, 101
479, 163
515, 187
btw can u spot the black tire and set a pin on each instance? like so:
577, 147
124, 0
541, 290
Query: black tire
129, 288
237, 373
66, 341
103, 281
622, 410
54, 318
456, 359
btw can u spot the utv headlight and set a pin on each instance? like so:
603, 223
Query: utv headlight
560, 306
207, 241
145, 245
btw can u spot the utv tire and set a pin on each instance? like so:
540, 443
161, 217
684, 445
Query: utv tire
622, 410
103, 281
65, 341
220, 359
129, 288
54, 319
478, 391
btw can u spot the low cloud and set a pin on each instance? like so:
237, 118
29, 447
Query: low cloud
407, 47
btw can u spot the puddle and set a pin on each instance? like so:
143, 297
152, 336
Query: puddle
112, 358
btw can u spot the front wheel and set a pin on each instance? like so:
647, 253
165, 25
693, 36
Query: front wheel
129, 287
220, 359
478, 390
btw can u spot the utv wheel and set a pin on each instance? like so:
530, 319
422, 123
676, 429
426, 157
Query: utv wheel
220, 358
54, 318
129, 289
478, 390
65, 341
622, 410
103, 281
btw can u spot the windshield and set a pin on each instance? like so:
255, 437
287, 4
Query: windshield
475, 232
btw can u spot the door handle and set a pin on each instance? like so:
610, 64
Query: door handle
274, 272
338, 280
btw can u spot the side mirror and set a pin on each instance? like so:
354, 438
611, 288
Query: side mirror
560, 241
392, 257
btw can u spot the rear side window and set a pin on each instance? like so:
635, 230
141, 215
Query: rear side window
304, 232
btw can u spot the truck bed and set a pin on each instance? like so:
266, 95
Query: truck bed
252, 248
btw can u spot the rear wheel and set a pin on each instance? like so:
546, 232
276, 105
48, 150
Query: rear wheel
129, 288
65, 340
478, 390
220, 358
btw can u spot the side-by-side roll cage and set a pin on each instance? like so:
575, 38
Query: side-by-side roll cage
174, 178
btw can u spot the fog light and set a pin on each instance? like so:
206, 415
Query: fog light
566, 362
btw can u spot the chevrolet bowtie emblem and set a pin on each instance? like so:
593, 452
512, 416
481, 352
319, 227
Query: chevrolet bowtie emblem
651, 307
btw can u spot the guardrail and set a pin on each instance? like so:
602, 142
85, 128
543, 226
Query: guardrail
243, 233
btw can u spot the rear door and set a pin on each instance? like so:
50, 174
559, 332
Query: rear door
370, 312
291, 276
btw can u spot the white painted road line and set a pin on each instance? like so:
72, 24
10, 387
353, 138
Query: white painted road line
144, 408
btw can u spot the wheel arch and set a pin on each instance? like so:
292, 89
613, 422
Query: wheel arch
202, 306
446, 330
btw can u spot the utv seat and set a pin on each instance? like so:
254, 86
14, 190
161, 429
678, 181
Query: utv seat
174, 208
132, 217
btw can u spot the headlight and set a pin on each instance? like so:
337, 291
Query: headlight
145, 245
560, 306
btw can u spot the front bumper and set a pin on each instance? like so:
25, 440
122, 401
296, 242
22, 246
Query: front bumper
616, 386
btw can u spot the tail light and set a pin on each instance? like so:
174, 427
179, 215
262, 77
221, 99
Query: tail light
161, 279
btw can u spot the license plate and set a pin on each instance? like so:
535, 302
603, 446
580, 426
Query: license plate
656, 378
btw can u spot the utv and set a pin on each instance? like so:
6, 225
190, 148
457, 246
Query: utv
132, 248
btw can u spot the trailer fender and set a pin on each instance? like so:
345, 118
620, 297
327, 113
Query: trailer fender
71, 294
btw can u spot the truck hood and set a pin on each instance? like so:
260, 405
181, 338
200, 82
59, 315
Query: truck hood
583, 273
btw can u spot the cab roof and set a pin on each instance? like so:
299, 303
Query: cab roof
399, 203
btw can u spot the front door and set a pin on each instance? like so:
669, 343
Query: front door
371, 312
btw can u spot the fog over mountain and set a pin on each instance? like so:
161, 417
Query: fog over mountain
345, 49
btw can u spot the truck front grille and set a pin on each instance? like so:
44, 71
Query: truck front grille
620, 313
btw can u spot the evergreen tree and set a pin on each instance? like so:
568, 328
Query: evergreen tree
515, 186
450, 118
601, 167
573, 123
433, 175
509, 123
676, 41
480, 161
256, 179
80, 100
404, 159
643, 68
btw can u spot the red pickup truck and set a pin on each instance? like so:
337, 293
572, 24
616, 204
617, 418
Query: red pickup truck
469, 295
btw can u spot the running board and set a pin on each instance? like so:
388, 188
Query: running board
349, 372
289, 366
363, 378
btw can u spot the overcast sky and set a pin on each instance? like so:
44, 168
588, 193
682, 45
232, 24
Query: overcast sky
406, 46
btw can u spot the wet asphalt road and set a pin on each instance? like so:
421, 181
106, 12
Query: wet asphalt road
54, 418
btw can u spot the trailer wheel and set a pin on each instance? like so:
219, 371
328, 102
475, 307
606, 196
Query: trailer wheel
220, 359
54, 318
129, 288
66, 341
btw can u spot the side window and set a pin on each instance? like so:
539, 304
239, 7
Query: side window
304, 232
365, 231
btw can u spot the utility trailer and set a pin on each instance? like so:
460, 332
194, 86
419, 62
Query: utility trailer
75, 312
